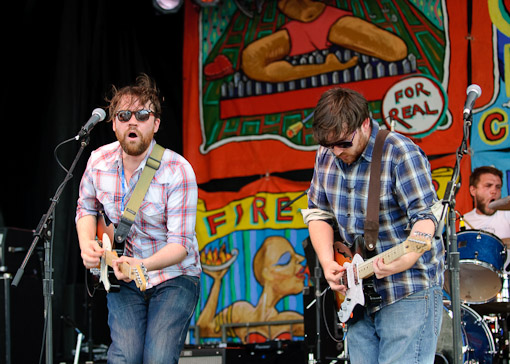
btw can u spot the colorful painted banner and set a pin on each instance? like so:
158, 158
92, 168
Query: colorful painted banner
253, 73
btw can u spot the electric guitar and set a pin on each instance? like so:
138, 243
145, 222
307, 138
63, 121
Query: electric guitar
356, 270
105, 232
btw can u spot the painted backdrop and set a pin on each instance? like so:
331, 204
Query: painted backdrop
253, 73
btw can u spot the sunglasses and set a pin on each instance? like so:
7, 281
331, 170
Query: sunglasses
140, 115
344, 144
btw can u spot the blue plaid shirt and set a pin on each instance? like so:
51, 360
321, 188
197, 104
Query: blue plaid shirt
407, 195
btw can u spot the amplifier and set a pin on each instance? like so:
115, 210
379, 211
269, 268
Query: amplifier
277, 352
233, 355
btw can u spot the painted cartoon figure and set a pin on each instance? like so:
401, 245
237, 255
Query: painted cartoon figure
277, 268
316, 26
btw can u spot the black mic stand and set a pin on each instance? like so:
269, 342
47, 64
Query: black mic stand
318, 274
43, 232
451, 237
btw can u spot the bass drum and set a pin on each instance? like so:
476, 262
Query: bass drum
477, 342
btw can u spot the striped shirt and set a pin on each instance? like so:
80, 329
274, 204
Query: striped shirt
407, 195
167, 214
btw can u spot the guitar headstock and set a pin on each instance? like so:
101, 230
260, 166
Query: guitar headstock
140, 276
417, 243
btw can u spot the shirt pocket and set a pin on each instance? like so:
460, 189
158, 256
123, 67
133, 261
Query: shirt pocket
153, 214
107, 203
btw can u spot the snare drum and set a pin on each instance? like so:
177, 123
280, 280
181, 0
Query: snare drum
481, 258
477, 341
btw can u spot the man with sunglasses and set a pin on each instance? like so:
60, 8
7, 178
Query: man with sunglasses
146, 326
404, 325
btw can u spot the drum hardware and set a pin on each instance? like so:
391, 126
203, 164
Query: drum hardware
477, 340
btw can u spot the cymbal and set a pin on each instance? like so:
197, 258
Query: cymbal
501, 204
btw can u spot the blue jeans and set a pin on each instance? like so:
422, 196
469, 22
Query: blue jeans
150, 327
404, 332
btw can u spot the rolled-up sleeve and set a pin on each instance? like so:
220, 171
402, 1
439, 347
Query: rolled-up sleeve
182, 207
414, 187
87, 202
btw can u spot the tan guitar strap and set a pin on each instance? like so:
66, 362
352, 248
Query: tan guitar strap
128, 216
374, 188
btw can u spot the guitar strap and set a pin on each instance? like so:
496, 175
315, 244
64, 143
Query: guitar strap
374, 189
128, 216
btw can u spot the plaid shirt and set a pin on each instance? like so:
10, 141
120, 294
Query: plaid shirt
167, 214
407, 195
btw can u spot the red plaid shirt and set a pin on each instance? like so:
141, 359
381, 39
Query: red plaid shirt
166, 216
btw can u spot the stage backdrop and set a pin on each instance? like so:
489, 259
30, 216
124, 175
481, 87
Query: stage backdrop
253, 74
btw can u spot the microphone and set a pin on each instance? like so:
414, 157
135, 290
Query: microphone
473, 92
97, 116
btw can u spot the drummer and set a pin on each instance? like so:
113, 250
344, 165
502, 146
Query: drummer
485, 185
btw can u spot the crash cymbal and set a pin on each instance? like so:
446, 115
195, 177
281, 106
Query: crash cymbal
501, 204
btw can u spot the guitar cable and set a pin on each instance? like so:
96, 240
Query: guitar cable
91, 294
323, 294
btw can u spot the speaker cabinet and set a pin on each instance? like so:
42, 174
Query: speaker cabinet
235, 355
270, 352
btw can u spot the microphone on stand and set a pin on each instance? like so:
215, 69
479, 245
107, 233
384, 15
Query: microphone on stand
97, 116
473, 92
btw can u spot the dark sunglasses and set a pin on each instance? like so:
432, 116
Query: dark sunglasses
344, 144
140, 115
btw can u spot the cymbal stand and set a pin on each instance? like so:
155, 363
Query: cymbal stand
451, 237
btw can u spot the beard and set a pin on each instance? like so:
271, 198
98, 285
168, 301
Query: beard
134, 147
483, 207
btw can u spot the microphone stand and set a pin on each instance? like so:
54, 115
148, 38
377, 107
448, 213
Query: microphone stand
453, 254
43, 232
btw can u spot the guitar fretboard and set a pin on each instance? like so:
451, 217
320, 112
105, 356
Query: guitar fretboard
366, 268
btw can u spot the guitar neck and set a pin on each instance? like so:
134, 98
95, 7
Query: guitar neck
366, 269
124, 267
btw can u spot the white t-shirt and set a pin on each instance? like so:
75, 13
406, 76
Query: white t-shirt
497, 224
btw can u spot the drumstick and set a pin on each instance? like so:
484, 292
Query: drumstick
467, 222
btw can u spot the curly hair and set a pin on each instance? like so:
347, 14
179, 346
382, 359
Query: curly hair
143, 91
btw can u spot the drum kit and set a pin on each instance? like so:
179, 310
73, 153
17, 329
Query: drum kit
485, 296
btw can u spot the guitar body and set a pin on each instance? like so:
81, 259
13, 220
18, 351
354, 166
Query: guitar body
361, 291
105, 233
342, 255
355, 295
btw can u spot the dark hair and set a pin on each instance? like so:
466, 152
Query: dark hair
143, 91
340, 111
475, 175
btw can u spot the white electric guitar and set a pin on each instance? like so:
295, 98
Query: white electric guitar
137, 273
358, 269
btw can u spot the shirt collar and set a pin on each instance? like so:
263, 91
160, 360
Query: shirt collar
369, 149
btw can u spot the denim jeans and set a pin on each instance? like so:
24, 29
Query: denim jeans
404, 332
150, 327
